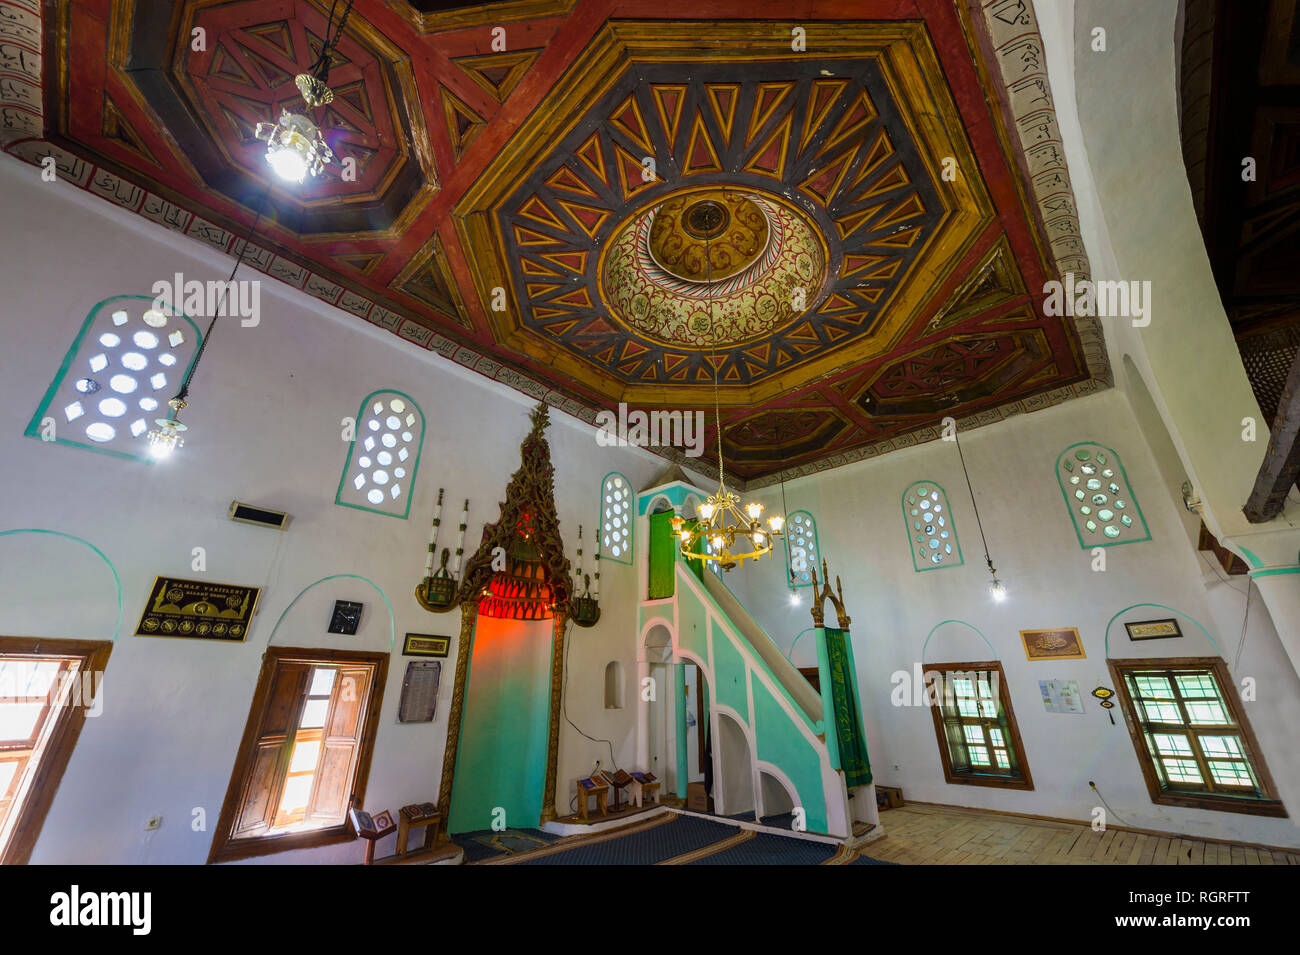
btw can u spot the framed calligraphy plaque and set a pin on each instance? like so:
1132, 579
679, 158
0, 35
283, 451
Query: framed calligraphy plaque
198, 609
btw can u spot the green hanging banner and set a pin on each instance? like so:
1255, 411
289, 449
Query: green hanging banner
662, 556
844, 697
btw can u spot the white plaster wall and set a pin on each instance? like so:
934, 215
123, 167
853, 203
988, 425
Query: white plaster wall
265, 418
1051, 583
1118, 116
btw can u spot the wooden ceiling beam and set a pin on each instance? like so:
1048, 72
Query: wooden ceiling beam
1281, 467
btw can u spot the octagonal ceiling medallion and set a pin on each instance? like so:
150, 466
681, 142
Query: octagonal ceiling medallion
811, 182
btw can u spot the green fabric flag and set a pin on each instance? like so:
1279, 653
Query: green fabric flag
663, 546
848, 724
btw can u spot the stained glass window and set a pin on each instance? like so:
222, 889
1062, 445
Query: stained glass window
931, 533
801, 547
126, 363
380, 469
616, 519
1101, 501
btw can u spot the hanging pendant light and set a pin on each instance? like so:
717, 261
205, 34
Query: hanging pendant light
725, 534
295, 147
997, 589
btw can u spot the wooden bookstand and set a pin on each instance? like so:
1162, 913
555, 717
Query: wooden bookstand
367, 829
592, 786
642, 785
415, 816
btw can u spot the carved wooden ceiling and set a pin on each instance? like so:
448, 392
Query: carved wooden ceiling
543, 190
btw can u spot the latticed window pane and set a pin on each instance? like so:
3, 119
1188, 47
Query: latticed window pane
1182, 770
1168, 745
1196, 761
380, 469
1097, 492
932, 535
616, 519
127, 362
802, 548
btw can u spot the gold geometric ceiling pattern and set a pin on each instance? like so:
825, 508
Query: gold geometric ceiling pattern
847, 232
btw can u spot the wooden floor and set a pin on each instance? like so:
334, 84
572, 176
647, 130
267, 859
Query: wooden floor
934, 835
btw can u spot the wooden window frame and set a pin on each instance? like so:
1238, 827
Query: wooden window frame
1270, 806
226, 849
1004, 700
93, 657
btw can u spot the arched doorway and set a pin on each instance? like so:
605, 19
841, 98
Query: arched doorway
733, 777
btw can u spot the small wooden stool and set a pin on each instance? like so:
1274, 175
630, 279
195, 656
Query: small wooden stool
592, 786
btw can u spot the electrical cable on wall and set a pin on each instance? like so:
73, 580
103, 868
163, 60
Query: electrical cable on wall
1093, 787
564, 706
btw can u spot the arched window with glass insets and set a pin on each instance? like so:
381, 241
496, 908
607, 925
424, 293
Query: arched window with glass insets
126, 363
616, 518
803, 556
1101, 501
930, 528
379, 473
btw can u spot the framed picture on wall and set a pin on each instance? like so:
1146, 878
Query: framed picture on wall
1153, 629
1060, 644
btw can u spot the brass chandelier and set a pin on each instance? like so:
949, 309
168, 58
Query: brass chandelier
295, 146
725, 534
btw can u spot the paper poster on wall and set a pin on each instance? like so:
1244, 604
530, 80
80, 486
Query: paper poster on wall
1061, 696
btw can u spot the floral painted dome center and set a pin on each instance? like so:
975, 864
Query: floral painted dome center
713, 267
708, 237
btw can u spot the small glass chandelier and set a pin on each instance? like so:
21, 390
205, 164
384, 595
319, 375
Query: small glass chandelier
295, 146
165, 437
724, 533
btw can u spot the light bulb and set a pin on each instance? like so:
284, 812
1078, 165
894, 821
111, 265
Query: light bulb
706, 510
754, 510
287, 164
997, 590
776, 522
795, 599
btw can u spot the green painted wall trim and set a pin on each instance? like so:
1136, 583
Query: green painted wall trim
952, 528
33, 429
676, 493
962, 623
790, 653
1128, 485
117, 581
392, 627
1274, 571
1254, 560
352, 449
1112, 620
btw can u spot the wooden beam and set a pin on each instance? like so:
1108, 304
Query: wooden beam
1281, 464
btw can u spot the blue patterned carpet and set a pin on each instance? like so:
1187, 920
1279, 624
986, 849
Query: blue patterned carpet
487, 844
658, 843
672, 839
767, 849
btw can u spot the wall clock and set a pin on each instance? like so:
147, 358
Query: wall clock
346, 617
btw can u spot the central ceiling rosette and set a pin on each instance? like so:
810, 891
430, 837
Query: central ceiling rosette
712, 267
